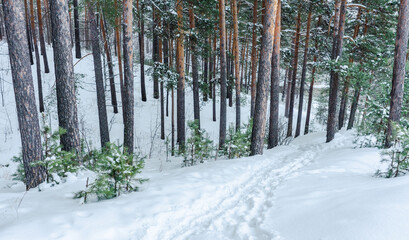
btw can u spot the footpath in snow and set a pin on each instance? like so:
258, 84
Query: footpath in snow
306, 190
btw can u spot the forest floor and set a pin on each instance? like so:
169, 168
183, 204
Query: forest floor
305, 190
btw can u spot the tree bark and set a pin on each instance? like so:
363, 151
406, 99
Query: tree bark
41, 37
77, 30
260, 109
37, 55
223, 69
24, 92
64, 74
275, 83
311, 91
334, 78
128, 103
195, 70
254, 59
236, 62
303, 74
344, 97
181, 80
398, 77
142, 49
110, 66
99, 79
155, 52
119, 55
294, 75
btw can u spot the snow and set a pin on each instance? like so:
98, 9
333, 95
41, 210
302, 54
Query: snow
308, 189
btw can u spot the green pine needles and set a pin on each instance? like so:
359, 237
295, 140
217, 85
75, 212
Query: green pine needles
116, 172
199, 147
397, 156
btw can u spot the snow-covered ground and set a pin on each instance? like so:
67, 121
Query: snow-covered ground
305, 190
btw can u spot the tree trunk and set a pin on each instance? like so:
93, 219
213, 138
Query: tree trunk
128, 103
119, 55
110, 66
398, 77
77, 30
142, 50
64, 74
303, 74
294, 74
195, 70
275, 83
344, 97
181, 80
223, 88
99, 80
236, 63
334, 79
155, 52
28, 32
311, 91
260, 109
254, 60
37, 54
24, 92
173, 122
354, 107
41, 37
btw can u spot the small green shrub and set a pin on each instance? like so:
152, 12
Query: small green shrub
238, 143
398, 155
116, 171
56, 161
199, 147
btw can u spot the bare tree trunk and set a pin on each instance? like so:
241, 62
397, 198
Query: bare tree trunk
275, 83
41, 37
223, 88
334, 80
311, 91
24, 92
354, 107
99, 80
181, 80
344, 97
64, 74
119, 55
398, 77
37, 54
128, 101
47, 21
303, 74
260, 109
77, 30
254, 59
28, 32
236, 62
110, 66
294, 75
195, 70
155, 52
142, 49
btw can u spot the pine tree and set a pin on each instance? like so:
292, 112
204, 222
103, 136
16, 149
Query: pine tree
128, 101
260, 109
99, 80
181, 137
24, 92
64, 74
398, 77
223, 74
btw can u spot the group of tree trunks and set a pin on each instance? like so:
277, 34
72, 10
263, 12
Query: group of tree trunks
23, 41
